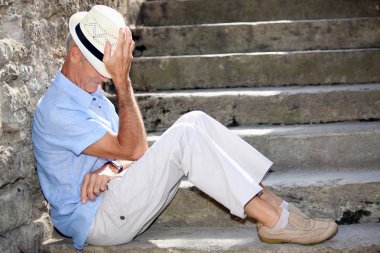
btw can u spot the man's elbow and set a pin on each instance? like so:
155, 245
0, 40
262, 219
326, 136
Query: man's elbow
138, 152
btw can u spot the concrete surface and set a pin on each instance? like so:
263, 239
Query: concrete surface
156, 13
281, 35
275, 105
352, 238
256, 69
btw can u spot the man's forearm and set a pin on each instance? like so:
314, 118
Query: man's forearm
131, 126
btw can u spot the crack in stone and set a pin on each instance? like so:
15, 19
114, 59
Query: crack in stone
7, 185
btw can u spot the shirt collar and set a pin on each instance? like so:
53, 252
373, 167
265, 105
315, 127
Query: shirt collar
80, 96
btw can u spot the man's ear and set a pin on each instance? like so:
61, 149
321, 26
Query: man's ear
75, 54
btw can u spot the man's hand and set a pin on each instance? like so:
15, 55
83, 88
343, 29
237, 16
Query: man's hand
96, 182
119, 64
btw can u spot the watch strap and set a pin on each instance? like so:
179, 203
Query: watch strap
117, 165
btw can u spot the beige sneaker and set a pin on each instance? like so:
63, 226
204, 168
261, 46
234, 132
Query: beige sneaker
293, 209
299, 230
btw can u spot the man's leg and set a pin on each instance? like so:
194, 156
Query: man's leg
215, 160
270, 197
139, 194
275, 200
278, 221
262, 211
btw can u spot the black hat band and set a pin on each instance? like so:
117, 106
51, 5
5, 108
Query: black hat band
88, 44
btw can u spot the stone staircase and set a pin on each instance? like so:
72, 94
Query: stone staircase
299, 80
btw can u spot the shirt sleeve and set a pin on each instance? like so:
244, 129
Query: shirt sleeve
74, 130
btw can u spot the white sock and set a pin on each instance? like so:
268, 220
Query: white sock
284, 205
284, 219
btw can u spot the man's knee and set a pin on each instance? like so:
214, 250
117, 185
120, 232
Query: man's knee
193, 116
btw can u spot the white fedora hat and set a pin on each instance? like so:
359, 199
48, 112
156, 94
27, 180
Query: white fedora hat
90, 31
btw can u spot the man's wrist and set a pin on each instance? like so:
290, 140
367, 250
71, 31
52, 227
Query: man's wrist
117, 166
122, 82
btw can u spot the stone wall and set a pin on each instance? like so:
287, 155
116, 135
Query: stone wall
32, 47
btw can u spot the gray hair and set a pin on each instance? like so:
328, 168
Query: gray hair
69, 43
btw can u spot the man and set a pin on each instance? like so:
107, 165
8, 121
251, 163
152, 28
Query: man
79, 141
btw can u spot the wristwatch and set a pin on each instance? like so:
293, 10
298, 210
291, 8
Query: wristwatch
117, 165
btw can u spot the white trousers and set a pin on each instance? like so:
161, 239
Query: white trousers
213, 158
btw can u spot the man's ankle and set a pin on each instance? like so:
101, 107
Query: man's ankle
273, 218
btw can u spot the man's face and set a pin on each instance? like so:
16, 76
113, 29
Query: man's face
88, 78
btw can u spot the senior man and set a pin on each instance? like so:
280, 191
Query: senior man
82, 147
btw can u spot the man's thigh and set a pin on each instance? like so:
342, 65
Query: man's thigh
135, 198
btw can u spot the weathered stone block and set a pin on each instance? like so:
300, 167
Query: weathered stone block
16, 163
6, 163
27, 238
1, 114
165, 13
244, 107
9, 72
256, 69
257, 37
11, 26
15, 207
6, 51
14, 107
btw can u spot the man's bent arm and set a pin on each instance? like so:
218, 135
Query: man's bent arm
130, 142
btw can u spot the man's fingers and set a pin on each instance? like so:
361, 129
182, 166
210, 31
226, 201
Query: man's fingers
120, 41
98, 182
90, 187
83, 190
127, 48
103, 185
107, 52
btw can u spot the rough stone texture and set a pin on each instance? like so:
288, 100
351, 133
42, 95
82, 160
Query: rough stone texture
131, 10
285, 105
32, 41
256, 69
257, 37
15, 207
237, 240
157, 13
23, 239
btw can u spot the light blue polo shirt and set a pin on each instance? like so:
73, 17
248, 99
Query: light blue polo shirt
68, 120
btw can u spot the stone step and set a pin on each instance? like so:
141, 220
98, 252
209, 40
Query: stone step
257, 37
159, 13
350, 238
327, 147
348, 197
251, 106
256, 69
